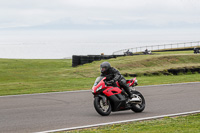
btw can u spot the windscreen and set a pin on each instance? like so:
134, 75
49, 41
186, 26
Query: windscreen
98, 79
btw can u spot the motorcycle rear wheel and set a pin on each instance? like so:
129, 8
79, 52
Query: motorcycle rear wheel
138, 107
103, 109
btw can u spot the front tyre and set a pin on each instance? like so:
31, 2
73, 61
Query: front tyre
138, 107
103, 109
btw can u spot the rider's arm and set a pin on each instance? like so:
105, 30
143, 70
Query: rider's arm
117, 74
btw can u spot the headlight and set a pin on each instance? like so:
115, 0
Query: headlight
99, 88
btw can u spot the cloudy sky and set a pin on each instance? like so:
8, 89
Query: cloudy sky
99, 14
61, 28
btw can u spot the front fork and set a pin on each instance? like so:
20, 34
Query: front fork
104, 99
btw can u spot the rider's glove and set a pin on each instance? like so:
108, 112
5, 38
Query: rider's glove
110, 82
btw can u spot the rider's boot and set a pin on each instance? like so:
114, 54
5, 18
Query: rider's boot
132, 97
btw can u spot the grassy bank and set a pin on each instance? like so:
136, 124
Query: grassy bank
182, 124
21, 76
70, 84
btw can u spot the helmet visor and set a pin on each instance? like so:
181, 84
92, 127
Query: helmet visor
103, 69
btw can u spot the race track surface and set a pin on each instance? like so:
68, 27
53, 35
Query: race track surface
42, 112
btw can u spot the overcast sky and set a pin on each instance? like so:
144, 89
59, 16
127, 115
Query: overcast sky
99, 14
46, 28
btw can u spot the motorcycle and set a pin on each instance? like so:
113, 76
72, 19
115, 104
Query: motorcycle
108, 98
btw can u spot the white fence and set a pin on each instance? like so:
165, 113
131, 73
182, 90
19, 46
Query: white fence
158, 47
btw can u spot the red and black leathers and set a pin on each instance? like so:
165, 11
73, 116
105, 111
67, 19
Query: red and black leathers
114, 75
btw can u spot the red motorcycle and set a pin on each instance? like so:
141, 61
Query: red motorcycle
108, 98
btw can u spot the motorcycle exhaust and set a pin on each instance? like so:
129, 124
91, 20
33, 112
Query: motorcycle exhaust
135, 99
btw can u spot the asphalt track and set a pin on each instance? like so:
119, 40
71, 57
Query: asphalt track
44, 112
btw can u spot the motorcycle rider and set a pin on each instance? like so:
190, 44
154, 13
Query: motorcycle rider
112, 75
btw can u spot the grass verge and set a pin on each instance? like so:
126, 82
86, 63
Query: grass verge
181, 124
72, 84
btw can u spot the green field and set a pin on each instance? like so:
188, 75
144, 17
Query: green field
27, 76
182, 124
175, 52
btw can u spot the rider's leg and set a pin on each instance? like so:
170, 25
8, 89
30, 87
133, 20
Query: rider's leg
125, 87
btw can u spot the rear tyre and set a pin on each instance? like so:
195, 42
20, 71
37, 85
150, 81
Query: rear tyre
103, 109
138, 107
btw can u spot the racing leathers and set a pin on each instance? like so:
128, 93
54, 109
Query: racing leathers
112, 75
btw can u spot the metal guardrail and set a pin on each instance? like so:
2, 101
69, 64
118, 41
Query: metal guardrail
157, 47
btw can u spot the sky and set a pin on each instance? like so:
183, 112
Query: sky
61, 28
99, 14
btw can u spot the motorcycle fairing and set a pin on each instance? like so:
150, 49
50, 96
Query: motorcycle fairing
130, 82
101, 83
118, 102
117, 99
112, 91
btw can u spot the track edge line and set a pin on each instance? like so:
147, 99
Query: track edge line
118, 122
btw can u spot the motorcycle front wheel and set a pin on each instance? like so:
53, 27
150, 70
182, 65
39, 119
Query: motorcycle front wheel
138, 107
102, 108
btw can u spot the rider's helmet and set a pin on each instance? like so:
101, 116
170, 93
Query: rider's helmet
104, 67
